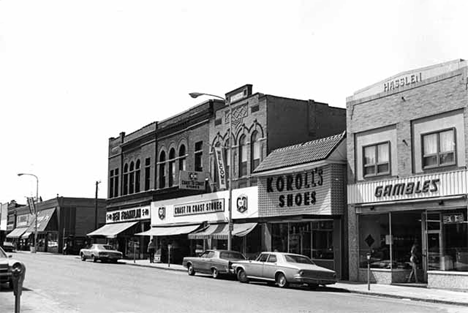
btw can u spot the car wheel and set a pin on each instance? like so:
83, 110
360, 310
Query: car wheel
83, 257
242, 276
215, 273
94, 258
190, 270
281, 281
313, 286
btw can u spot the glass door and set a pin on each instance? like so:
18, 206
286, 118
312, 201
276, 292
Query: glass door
432, 242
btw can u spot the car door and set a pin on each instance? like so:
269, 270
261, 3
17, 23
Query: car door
255, 268
269, 267
205, 265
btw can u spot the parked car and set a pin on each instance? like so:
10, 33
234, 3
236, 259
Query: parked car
6, 266
100, 252
214, 262
8, 246
283, 269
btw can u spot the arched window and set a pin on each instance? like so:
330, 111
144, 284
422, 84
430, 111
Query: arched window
242, 157
255, 152
132, 178
172, 168
182, 158
162, 169
125, 180
137, 176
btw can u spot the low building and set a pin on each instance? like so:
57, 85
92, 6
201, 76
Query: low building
407, 156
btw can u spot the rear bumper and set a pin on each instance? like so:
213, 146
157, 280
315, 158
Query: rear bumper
307, 280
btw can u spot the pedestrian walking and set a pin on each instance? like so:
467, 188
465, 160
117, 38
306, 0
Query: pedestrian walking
414, 261
151, 250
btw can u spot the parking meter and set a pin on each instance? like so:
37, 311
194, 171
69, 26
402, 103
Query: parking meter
368, 256
169, 247
18, 271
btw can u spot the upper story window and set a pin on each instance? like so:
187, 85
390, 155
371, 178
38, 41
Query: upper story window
242, 157
125, 180
147, 173
162, 169
182, 158
227, 158
116, 183
439, 149
132, 178
137, 176
172, 169
255, 152
376, 159
111, 184
199, 156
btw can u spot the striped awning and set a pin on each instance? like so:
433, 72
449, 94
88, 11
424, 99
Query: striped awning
169, 231
111, 230
220, 231
26, 235
17, 232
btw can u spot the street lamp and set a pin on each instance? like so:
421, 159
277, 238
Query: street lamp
35, 207
196, 95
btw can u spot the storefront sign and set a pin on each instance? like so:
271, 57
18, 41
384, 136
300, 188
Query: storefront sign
192, 180
128, 215
390, 190
22, 220
212, 206
453, 218
296, 187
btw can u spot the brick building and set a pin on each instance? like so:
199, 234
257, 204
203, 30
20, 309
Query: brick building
179, 155
407, 178
59, 220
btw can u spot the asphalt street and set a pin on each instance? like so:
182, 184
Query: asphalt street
56, 283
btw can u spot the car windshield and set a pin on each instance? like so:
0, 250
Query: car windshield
298, 259
3, 254
107, 247
232, 255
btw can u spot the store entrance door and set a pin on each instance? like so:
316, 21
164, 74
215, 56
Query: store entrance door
432, 242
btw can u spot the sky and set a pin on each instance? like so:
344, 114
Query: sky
75, 73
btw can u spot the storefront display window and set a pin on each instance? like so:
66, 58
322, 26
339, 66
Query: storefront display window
300, 238
454, 248
374, 239
406, 232
279, 237
322, 234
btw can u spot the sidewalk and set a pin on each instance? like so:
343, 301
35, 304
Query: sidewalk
415, 293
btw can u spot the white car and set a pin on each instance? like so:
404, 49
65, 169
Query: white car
100, 252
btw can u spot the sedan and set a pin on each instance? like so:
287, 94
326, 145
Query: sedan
282, 269
100, 252
214, 262
6, 266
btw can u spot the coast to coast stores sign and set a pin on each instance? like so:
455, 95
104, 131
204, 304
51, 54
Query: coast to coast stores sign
211, 206
132, 214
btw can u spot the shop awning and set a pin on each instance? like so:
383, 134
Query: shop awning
111, 230
220, 231
43, 219
26, 235
17, 232
169, 231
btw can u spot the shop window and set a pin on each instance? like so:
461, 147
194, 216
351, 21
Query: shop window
376, 159
172, 169
322, 236
242, 156
199, 156
406, 231
147, 174
300, 238
438, 149
374, 234
279, 237
255, 151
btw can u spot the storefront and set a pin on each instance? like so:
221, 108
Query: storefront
18, 234
187, 226
120, 229
301, 192
428, 211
